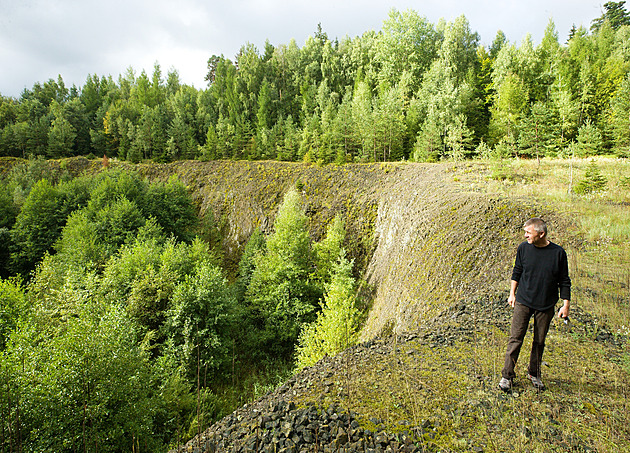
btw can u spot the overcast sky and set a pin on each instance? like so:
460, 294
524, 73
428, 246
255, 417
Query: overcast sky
40, 39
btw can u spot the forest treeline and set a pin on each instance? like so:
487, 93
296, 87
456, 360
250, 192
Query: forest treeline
120, 330
413, 90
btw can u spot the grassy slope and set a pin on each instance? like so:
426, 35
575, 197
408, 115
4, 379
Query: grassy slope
586, 404
450, 387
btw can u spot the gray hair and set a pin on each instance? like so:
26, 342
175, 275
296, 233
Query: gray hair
538, 224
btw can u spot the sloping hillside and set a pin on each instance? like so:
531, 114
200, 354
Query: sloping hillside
421, 241
435, 251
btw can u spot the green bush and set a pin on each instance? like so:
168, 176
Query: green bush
255, 246
593, 180
589, 140
328, 250
37, 226
8, 209
90, 239
12, 307
24, 176
89, 386
170, 204
112, 185
281, 296
200, 322
337, 325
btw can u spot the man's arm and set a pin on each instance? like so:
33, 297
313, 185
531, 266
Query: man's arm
512, 298
564, 282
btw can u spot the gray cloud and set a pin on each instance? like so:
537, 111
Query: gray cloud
40, 39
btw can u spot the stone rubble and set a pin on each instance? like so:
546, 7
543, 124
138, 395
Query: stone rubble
276, 424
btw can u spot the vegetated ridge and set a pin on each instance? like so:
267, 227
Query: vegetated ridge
434, 255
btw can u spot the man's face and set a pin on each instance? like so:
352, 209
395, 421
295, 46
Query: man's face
533, 236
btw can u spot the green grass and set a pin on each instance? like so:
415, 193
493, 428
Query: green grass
448, 397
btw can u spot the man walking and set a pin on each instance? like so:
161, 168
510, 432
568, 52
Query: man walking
541, 270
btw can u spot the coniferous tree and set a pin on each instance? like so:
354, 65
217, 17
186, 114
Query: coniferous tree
589, 140
620, 118
615, 14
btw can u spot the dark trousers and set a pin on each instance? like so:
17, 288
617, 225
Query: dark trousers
520, 322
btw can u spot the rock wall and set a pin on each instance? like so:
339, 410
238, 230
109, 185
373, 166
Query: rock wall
422, 242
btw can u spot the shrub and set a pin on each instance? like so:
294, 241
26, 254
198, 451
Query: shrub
280, 295
37, 227
90, 239
171, 205
593, 180
328, 250
90, 384
13, 306
8, 209
589, 140
112, 185
200, 321
337, 325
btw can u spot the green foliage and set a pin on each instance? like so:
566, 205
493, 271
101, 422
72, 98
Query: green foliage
91, 238
90, 385
23, 177
256, 246
8, 209
199, 325
329, 250
408, 42
342, 100
615, 14
98, 309
429, 142
113, 185
144, 276
483, 150
589, 140
87, 219
511, 101
13, 307
280, 295
170, 204
337, 325
537, 134
593, 180
36, 227
501, 170
620, 119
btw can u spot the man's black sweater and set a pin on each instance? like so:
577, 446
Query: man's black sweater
540, 272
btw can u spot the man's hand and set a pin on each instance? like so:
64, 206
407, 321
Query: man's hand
512, 300
564, 310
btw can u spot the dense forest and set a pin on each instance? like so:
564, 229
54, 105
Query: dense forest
121, 330
413, 90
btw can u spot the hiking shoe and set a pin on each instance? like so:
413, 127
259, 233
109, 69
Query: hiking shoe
538, 384
505, 384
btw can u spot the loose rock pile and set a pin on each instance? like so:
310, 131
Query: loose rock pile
287, 428
275, 423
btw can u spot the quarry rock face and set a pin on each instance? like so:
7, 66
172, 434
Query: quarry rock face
421, 242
